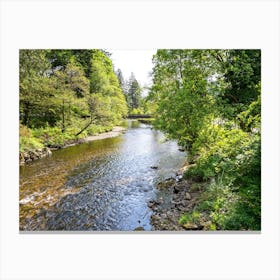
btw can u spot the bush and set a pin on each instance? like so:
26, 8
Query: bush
225, 152
27, 141
136, 111
233, 200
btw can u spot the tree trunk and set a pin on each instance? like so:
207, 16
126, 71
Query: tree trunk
63, 117
26, 113
84, 128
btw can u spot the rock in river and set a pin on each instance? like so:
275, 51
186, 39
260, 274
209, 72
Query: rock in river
139, 229
154, 167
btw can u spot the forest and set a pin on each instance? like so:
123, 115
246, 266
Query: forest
209, 101
69, 94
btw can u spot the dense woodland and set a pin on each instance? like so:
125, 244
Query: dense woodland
208, 100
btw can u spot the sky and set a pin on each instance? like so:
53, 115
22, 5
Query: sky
137, 61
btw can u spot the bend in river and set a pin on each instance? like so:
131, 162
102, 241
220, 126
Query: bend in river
101, 185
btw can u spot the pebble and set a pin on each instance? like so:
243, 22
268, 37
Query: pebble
167, 218
139, 229
188, 196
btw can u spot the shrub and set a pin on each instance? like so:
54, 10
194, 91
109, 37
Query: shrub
27, 141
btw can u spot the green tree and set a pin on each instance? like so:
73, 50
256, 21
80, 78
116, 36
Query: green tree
59, 58
181, 89
103, 80
83, 57
75, 80
240, 74
35, 88
121, 80
210, 100
133, 92
72, 93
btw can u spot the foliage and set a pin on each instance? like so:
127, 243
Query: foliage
189, 218
66, 94
136, 111
27, 141
103, 80
181, 90
121, 79
227, 209
132, 92
210, 100
35, 87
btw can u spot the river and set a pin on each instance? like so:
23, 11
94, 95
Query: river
103, 185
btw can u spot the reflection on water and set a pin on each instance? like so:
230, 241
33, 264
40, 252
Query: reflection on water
100, 185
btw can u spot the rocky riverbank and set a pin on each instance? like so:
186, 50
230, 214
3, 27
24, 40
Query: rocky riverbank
182, 198
28, 156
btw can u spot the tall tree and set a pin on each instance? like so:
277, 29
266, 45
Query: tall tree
133, 92
181, 90
121, 79
210, 100
83, 57
242, 74
51, 80
35, 87
103, 80
59, 58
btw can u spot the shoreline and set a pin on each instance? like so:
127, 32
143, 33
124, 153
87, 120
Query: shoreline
116, 131
184, 194
32, 155
184, 197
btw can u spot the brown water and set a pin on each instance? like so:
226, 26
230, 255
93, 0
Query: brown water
100, 185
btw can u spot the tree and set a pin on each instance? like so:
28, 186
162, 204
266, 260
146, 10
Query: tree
99, 109
133, 93
241, 73
103, 80
35, 88
75, 80
73, 89
181, 90
99, 79
83, 57
59, 58
121, 79
210, 100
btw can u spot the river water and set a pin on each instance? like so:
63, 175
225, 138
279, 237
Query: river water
100, 185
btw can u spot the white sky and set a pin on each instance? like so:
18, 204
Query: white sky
137, 61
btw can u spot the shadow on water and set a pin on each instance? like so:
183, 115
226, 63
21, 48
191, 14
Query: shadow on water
100, 185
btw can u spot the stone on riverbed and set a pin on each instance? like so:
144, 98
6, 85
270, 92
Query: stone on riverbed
190, 226
188, 196
139, 229
29, 156
167, 183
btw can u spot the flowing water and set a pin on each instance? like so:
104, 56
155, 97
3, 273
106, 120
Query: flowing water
100, 185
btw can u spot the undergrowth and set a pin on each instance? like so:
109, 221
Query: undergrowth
231, 161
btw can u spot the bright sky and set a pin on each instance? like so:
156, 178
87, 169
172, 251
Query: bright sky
137, 61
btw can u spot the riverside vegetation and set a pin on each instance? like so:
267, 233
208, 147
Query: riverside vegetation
66, 95
207, 100
210, 101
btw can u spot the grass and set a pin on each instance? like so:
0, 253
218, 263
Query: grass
27, 141
31, 139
